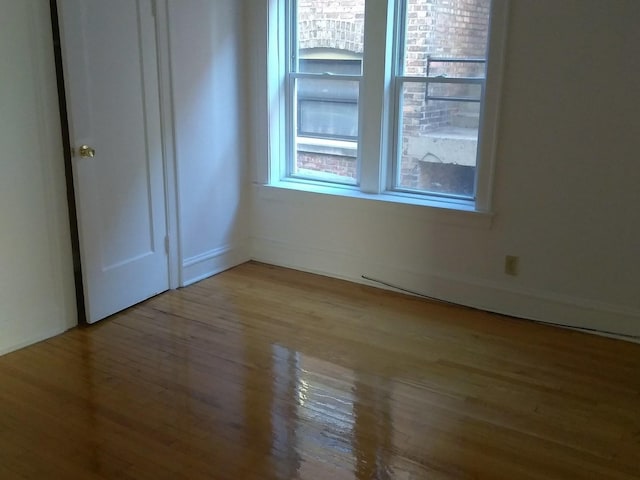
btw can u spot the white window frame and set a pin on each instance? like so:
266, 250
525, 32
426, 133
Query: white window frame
377, 134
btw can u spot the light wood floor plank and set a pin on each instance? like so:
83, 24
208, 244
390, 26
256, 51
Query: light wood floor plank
263, 372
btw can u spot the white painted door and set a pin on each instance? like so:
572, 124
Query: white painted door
111, 83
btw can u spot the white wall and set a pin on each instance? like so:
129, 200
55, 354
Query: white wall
37, 296
566, 190
207, 59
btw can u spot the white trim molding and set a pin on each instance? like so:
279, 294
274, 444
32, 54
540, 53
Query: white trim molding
213, 262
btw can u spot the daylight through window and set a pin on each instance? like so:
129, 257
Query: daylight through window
434, 63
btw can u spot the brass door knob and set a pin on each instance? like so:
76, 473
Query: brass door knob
86, 151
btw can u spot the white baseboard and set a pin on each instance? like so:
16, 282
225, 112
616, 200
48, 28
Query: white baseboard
529, 304
212, 262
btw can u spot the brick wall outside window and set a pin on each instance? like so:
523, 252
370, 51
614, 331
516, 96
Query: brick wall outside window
331, 24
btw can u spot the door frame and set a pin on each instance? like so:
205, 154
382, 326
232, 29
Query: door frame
169, 170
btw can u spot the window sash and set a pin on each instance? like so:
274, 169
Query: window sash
294, 131
400, 79
292, 105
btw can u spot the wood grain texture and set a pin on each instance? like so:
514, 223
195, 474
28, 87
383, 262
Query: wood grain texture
263, 372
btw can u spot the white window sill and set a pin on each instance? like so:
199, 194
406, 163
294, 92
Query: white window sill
449, 211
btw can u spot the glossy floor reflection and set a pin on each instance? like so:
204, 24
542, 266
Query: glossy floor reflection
264, 373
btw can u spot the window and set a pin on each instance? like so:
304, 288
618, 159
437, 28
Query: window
391, 98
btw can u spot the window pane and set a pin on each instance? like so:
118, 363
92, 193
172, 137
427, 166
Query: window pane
445, 29
438, 141
330, 30
325, 119
327, 108
328, 161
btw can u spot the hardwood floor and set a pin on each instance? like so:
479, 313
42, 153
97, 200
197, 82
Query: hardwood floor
263, 372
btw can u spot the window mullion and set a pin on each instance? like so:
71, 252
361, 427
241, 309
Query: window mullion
374, 95
277, 67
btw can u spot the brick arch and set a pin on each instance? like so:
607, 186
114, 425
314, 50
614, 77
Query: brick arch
333, 34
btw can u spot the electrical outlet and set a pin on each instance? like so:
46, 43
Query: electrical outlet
511, 265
